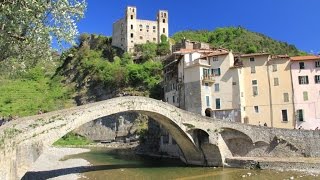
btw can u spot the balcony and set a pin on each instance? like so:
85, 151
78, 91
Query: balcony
208, 79
197, 62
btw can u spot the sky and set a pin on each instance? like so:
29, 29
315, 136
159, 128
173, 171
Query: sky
294, 21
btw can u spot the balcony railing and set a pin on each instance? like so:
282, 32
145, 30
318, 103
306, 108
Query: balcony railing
208, 78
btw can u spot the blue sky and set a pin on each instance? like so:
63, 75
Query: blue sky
294, 21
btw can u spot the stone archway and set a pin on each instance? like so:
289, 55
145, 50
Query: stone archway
208, 112
34, 134
238, 142
211, 152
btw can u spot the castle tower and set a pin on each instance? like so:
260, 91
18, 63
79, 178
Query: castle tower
163, 27
131, 25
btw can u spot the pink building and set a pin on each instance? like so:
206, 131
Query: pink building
305, 73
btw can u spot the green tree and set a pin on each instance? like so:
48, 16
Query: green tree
163, 46
148, 51
27, 27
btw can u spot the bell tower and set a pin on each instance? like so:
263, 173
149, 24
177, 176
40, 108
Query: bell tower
131, 25
163, 24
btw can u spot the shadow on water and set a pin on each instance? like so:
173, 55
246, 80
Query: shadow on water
42, 175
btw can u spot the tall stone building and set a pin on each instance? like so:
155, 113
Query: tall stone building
129, 30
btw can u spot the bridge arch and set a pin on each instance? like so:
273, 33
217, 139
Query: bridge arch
239, 143
36, 133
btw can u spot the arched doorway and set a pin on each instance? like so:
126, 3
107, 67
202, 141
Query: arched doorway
208, 112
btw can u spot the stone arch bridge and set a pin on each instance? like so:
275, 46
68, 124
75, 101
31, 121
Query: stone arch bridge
202, 140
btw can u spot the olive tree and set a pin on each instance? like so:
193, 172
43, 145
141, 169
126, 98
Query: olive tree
27, 27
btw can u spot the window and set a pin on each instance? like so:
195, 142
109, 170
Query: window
274, 68
317, 79
147, 27
255, 90
234, 83
256, 109
241, 94
206, 72
276, 81
140, 29
164, 20
164, 30
206, 84
286, 97
218, 105
317, 64
300, 114
301, 65
131, 26
284, 115
252, 59
131, 35
216, 72
305, 96
154, 27
154, 39
131, 16
214, 58
254, 82
141, 37
216, 87
254, 87
140, 26
303, 79
208, 101
253, 69
173, 99
244, 108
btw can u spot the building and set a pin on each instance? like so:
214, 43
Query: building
129, 30
220, 94
282, 105
254, 89
305, 72
203, 81
266, 90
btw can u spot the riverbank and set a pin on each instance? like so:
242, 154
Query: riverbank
50, 165
298, 164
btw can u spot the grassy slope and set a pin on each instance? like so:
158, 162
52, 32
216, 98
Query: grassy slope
23, 97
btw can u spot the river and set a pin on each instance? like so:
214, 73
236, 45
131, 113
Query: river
123, 164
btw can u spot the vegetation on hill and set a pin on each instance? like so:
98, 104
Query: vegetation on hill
32, 92
239, 40
98, 69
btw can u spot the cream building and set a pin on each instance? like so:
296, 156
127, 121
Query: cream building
129, 30
266, 90
205, 82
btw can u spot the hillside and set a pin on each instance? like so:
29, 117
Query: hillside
239, 40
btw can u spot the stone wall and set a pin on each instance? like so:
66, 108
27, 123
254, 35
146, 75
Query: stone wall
125, 125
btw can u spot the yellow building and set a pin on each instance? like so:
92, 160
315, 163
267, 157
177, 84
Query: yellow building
281, 92
266, 90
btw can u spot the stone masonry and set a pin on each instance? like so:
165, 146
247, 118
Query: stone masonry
203, 141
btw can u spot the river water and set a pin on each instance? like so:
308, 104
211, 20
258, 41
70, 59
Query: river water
121, 164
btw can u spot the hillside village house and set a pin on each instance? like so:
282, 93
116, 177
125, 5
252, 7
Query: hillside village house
266, 90
129, 31
305, 72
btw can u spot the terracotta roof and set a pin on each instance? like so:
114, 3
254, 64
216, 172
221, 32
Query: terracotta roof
275, 57
304, 58
186, 51
215, 53
254, 54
